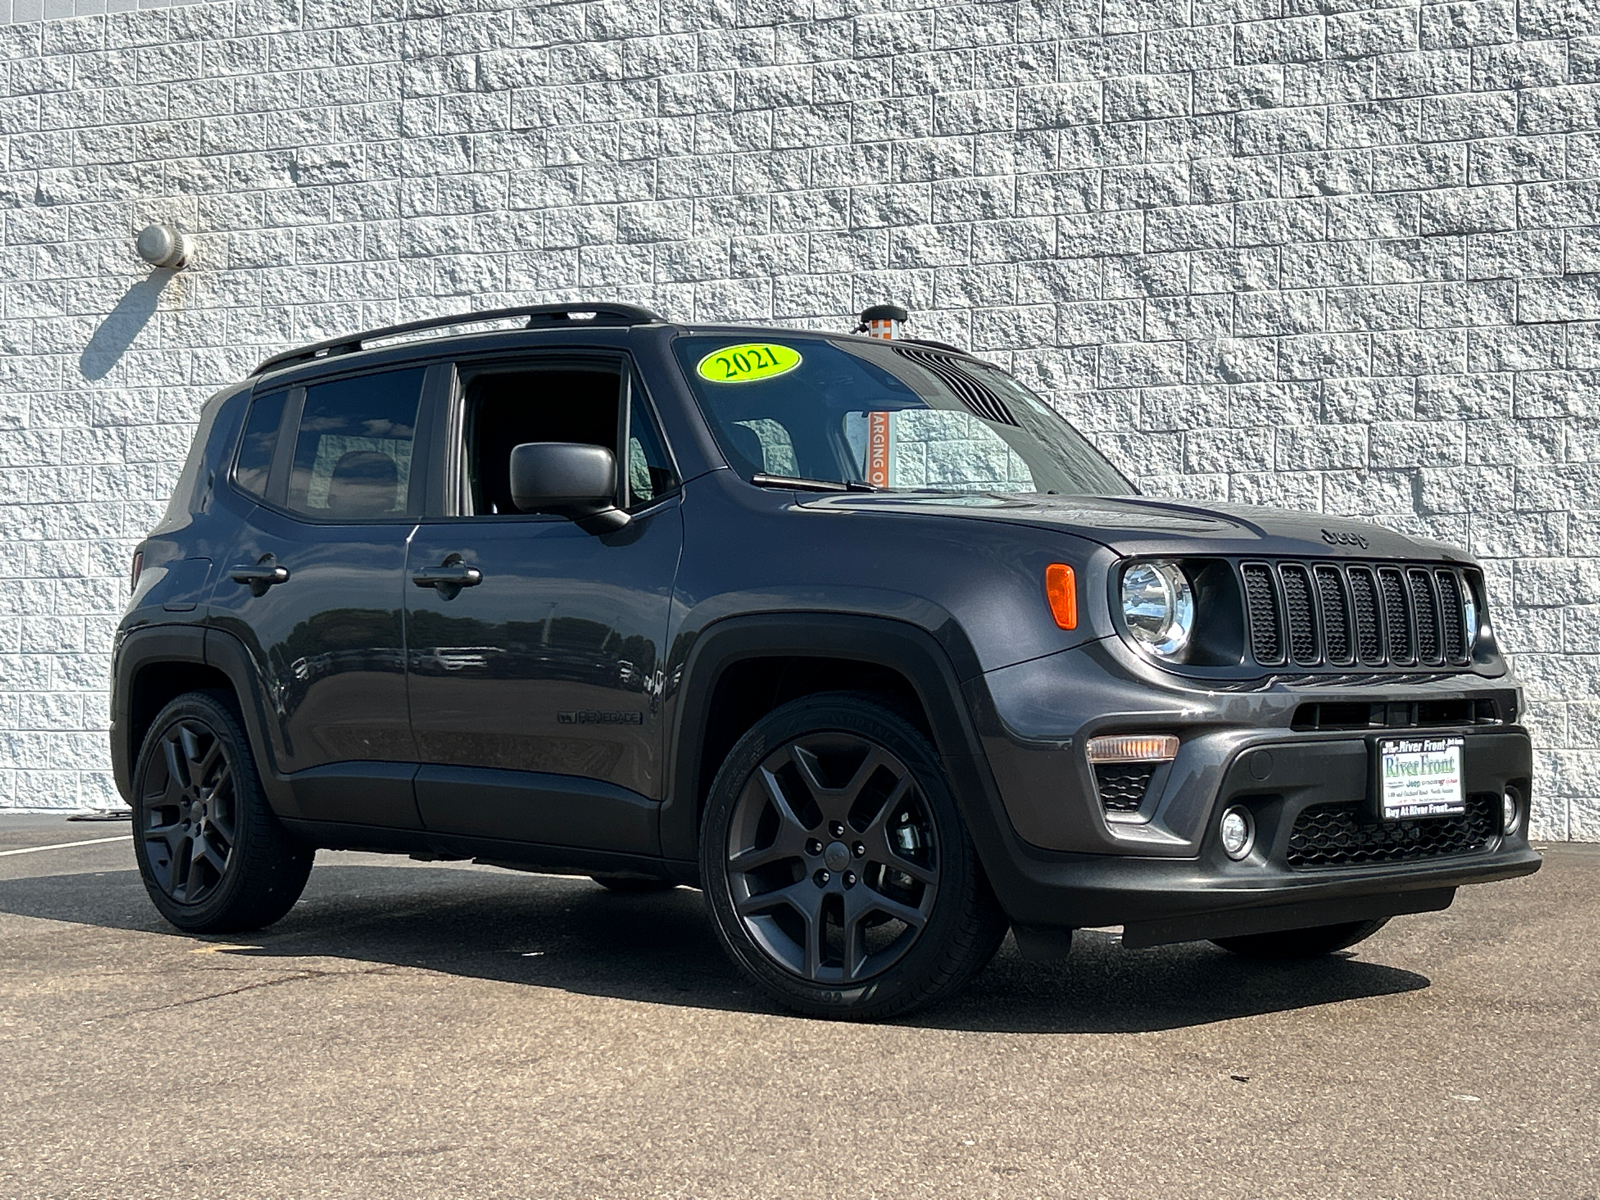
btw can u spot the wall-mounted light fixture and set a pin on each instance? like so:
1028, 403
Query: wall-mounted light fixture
164, 246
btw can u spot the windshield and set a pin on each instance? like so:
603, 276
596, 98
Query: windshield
890, 415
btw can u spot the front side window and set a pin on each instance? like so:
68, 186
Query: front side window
885, 415
553, 401
352, 455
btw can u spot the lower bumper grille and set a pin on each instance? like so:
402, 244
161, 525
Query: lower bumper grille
1346, 835
1122, 785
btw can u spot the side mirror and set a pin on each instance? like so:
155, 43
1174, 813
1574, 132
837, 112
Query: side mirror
571, 479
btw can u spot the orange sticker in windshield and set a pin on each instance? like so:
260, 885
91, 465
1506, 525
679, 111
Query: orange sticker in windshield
878, 449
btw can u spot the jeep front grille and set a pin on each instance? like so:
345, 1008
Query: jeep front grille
1343, 615
1347, 835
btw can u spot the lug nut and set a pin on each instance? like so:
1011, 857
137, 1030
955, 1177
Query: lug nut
849, 879
813, 847
859, 850
822, 878
837, 829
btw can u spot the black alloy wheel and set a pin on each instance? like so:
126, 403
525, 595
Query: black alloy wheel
212, 855
839, 871
832, 860
189, 811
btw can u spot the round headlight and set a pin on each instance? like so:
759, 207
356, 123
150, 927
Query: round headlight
1158, 606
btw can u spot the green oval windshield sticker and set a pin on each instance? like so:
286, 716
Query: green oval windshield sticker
748, 363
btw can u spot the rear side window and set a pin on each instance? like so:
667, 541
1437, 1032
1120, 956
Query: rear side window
352, 454
259, 441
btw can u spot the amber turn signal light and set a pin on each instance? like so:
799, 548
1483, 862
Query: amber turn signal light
1061, 590
1122, 748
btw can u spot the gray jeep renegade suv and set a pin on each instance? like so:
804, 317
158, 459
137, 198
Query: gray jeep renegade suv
851, 632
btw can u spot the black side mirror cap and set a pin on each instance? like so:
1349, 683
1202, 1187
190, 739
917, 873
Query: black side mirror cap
571, 479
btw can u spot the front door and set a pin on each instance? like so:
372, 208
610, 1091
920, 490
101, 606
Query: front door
535, 648
314, 588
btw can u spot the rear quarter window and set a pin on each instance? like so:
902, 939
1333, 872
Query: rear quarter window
259, 440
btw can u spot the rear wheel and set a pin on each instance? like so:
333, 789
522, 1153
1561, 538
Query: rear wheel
839, 873
212, 855
1301, 943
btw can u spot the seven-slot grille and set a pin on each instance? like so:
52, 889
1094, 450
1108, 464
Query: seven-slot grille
1356, 614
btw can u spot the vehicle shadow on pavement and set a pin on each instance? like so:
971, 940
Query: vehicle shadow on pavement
570, 934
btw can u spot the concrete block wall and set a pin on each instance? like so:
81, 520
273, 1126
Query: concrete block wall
1316, 253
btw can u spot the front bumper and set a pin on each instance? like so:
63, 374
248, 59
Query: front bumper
1164, 876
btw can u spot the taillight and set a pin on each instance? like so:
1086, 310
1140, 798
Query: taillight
133, 571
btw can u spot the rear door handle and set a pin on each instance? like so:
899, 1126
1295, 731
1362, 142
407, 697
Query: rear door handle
259, 575
449, 577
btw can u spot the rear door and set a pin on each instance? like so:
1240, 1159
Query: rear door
314, 587
535, 649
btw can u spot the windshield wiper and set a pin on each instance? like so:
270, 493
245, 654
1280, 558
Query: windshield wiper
813, 485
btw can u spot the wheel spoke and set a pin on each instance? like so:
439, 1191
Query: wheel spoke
750, 860
880, 845
786, 813
803, 897
194, 883
879, 825
895, 861
869, 767
177, 766
170, 835
810, 771
855, 940
221, 817
201, 768
871, 901
212, 855
190, 741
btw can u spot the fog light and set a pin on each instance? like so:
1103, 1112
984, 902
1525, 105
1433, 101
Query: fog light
1238, 833
1510, 813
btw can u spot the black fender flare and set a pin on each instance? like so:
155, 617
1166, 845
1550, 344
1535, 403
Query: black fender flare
917, 655
153, 645
136, 651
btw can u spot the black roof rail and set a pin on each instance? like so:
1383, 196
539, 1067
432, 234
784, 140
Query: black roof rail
537, 314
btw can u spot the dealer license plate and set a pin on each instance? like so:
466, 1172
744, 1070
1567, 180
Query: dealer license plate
1419, 777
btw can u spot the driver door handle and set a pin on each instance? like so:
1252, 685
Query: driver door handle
449, 575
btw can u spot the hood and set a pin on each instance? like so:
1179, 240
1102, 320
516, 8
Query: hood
1133, 525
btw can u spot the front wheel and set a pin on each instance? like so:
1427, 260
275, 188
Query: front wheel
212, 855
1301, 943
839, 874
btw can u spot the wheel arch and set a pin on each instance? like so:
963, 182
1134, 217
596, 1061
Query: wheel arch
754, 663
155, 665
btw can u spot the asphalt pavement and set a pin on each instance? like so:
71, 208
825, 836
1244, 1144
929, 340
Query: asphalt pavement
444, 1030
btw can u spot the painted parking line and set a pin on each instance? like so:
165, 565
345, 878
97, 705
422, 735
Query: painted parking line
127, 837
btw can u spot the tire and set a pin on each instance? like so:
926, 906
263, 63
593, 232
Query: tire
632, 885
212, 855
839, 874
1301, 943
